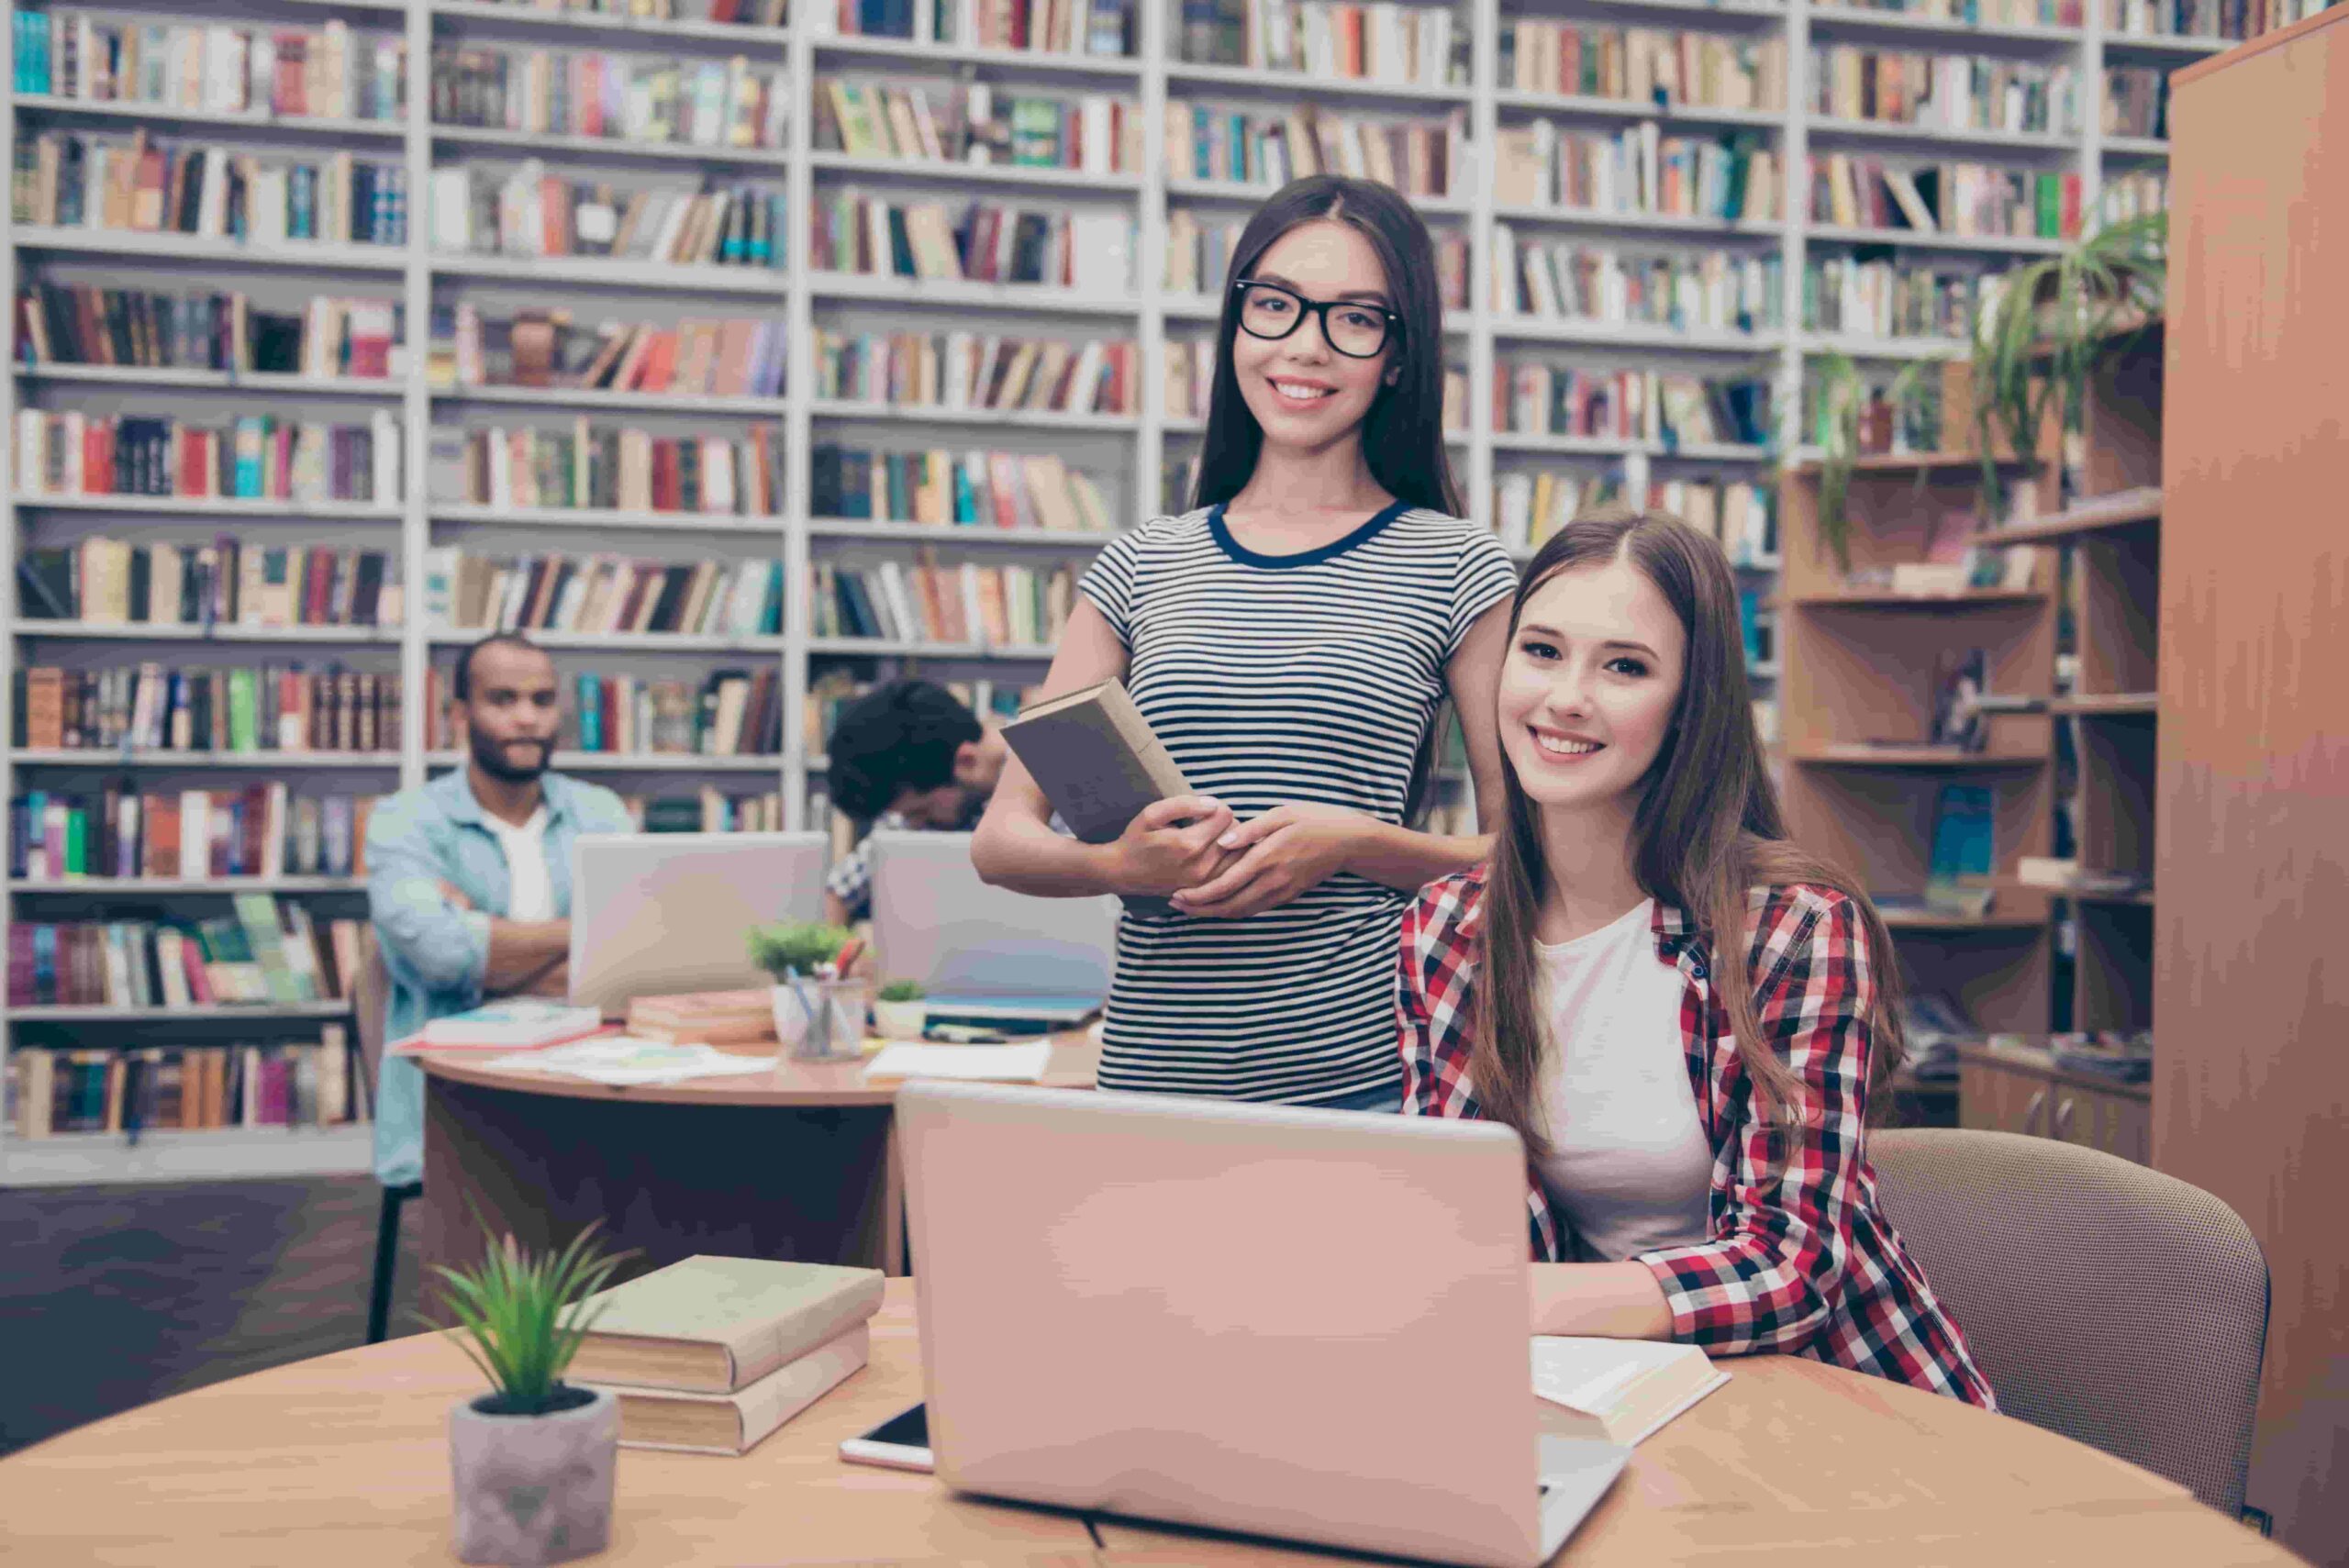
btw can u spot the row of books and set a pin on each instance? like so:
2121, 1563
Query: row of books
730, 712
1757, 627
972, 370
742, 12
226, 583
1540, 399
76, 181
1636, 170
629, 98
1647, 65
88, 324
216, 68
2136, 101
1978, 13
708, 810
530, 213
602, 593
965, 489
1101, 27
187, 1088
832, 690
1890, 298
1199, 248
2134, 192
1969, 200
1531, 505
1741, 516
1003, 606
1089, 249
1418, 46
969, 122
259, 458
270, 951
262, 830
1943, 92
741, 356
209, 711
1417, 157
1190, 369
2235, 19
601, 466
1565, 279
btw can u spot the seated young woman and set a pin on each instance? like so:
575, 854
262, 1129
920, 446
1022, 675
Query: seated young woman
1679, 1011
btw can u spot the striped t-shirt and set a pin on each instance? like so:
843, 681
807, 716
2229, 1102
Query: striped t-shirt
1275, 679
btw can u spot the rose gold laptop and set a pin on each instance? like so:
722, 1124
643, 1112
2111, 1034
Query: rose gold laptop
1287, 1322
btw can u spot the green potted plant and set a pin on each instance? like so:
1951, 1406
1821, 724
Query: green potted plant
2054, 321
532, 1461
1842, 399
899, 1011
820, 1009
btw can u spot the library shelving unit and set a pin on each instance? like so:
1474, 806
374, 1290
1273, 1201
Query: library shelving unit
1130, 456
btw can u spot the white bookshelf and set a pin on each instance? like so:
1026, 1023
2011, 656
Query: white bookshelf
1129, 450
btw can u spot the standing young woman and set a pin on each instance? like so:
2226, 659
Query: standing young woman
1680, 1012
1290, 639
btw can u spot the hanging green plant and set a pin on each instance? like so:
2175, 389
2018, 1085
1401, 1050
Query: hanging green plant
1843, 396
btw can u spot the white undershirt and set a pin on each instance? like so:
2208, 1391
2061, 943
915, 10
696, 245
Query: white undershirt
530, 889
1630, 1164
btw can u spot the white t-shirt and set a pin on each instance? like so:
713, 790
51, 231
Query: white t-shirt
1629, 1164
532, 888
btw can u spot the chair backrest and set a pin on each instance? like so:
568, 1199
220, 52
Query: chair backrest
371, 1004
2103, 1300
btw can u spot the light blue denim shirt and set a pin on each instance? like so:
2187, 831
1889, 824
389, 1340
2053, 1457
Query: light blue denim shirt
435, 954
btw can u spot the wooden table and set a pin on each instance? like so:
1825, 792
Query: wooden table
343, 1460
800, 1163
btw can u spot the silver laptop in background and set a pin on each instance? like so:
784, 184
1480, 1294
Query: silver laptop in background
1283, 1322
984, 952
658, 914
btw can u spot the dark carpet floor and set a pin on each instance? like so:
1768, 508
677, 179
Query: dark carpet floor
112, 1296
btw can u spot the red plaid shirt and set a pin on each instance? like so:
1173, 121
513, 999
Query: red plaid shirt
1801, 1259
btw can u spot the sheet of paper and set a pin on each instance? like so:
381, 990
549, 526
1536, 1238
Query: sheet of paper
1022, 1064
625, 1060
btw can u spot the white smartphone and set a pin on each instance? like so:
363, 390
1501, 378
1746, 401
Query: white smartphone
901, 1442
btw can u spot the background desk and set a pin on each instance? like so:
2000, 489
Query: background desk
800, 1163
344, 1460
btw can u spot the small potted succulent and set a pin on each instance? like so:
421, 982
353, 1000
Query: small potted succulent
819, 1008
533, 1460
898, 1012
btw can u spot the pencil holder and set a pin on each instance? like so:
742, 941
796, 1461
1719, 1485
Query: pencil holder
823, 1020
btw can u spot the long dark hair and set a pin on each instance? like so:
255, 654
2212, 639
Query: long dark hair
1707, 830
1402, 436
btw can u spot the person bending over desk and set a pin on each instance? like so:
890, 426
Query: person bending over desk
469, 877
1679, 1011
907, 754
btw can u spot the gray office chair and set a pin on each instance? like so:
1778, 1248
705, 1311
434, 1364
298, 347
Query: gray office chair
371, 997
2104, 1301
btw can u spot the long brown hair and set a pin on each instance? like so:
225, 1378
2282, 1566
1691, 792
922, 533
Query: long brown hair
1707, 830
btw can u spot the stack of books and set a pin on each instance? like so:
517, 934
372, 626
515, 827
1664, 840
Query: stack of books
711, 1355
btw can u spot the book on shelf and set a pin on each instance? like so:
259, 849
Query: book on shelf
1964, 852
741, 13
1099, 763
708, 810
1637, 171
1001, 607
258, 457
1738, 514
1420, 157
1625, 1389
87, 324
512, 1023
993, 702
120, 831
2232, 20
716, 1325
740, 356
1904, 297
1540, 399
1200, 245
1088, 250
275, 72
968, 489
975, 122
1963, 200
606, 594
727, 713
2136, 101
1960, 677
531, 213
1396, 45
598, 467
1531, 505
1976, 12
1644, 65
1568, 280
205, 711
113, 583
961, 370
70, 179
1943, 92
643, 100
188, 1088
2134, 192
1099, 28
268, 951
1757, 625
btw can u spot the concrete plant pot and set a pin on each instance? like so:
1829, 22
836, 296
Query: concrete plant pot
900, 1021
532, 1490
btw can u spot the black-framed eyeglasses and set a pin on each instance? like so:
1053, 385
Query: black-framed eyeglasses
1355, 327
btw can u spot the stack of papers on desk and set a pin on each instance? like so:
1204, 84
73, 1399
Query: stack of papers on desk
1022, 1064
625, 1060
1628, 1387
